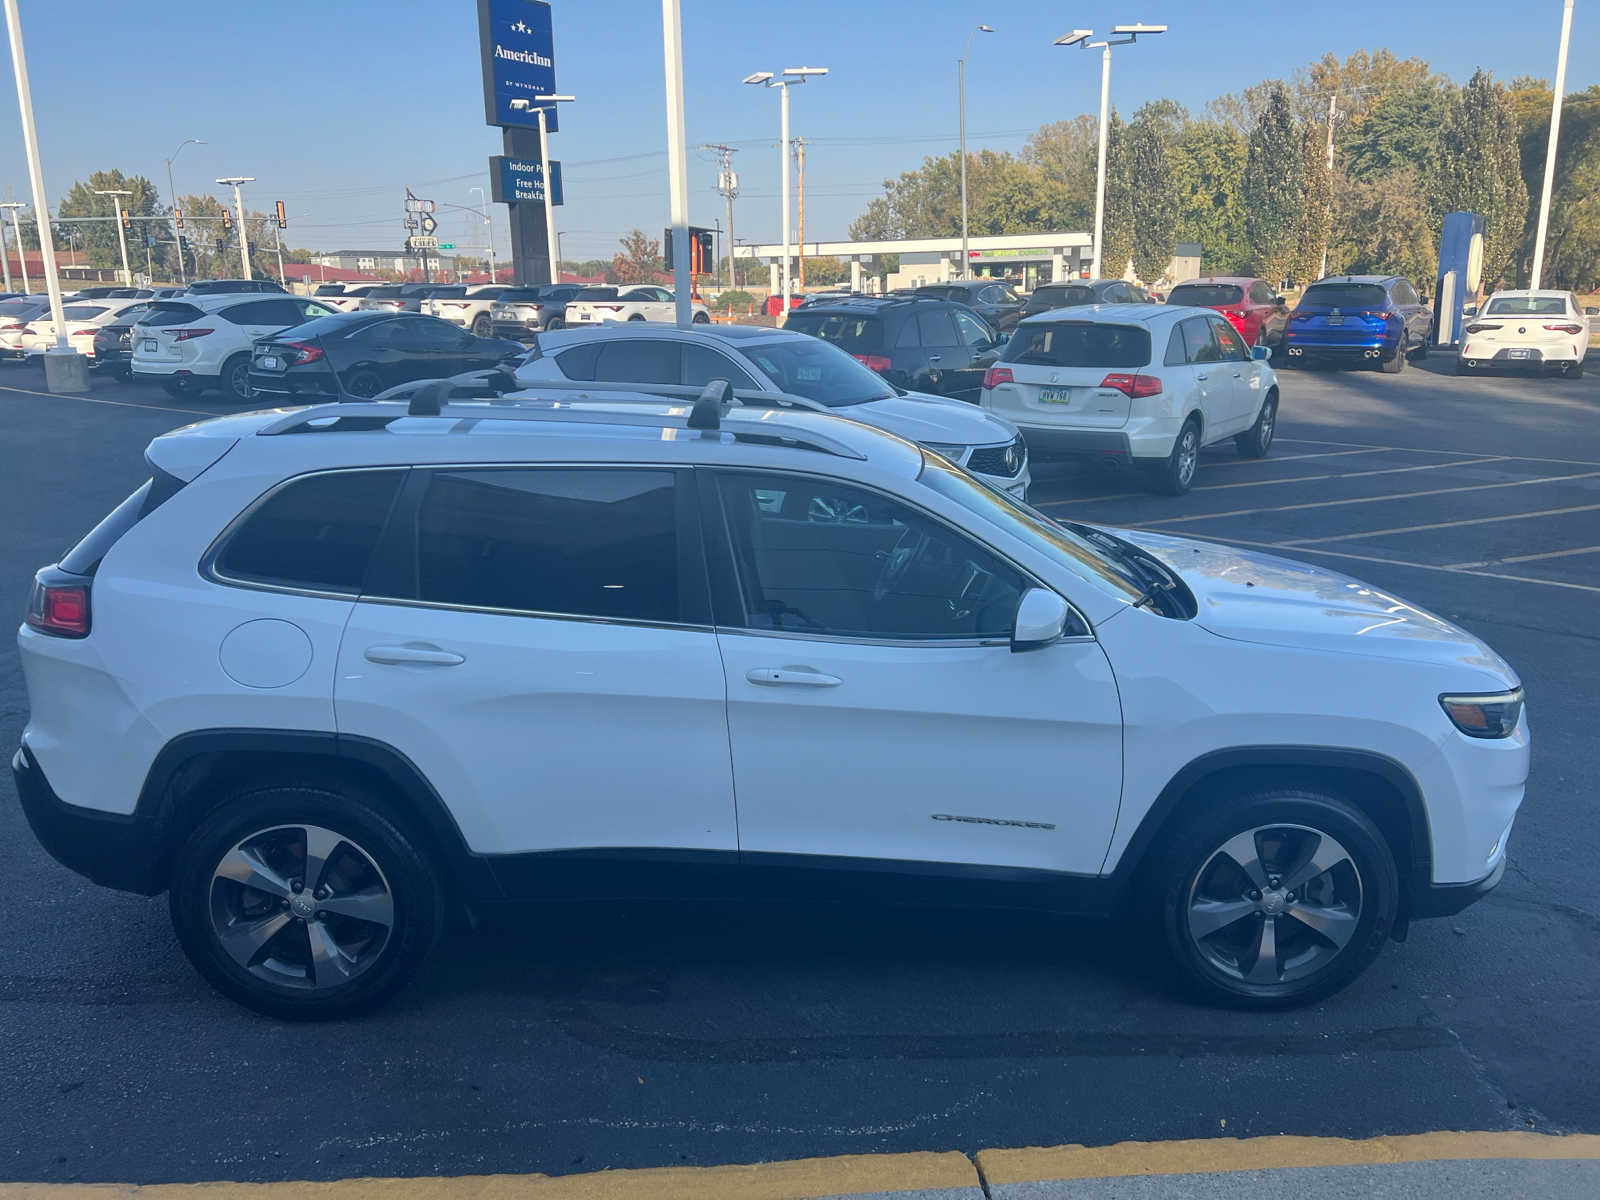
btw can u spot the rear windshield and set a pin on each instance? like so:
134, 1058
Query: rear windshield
452, 290
82, 312
1527, 306
857, 335
388, 289
21, 308
330, 289
1344, 295
1061, 297
597, 293
1206, 295
169, 312
512, 295
488, 292
1078, 344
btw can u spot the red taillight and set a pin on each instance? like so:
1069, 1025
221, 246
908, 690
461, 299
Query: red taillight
1132, 386
11, 328
184, 335
1475, 328
304, 352
1235, 314
60, 611
1565, 328
1381, 314
876, 361
995, 376
610, 307
90, 332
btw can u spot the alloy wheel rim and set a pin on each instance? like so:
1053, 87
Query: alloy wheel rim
241, 381
1268, 419
1274, 905
1188, 453
301, 907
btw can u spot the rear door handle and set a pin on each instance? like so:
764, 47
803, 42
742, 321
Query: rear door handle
791, 677
417, 653
1202, 377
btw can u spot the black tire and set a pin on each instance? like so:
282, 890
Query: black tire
636, 317
234, 379
363, 381
1419, 351
1574, 370
553, 324
1396, 362
1258, 440
1192, 878
481, 325
201, 903
700, 319
1174, 475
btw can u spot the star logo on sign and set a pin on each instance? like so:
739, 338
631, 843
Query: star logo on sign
521, 27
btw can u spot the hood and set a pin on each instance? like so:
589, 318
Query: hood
1252, 597
918, 417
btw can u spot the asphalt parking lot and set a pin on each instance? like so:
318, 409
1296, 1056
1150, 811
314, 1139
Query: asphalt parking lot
566, 1040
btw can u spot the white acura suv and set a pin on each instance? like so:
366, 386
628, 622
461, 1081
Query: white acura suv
335, 675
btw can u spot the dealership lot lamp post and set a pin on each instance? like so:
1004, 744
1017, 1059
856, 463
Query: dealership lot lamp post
16, 207
1550, 147
1121, 35
488, 230
791, 77
961, 103
173, 192
122, 238
552, 248
238, 206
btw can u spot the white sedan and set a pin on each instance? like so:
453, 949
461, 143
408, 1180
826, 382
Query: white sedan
645, 302
82, 321
1526, 329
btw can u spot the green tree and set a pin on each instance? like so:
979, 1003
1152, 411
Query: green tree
1384, 224
1480, 170
639, 260
1402, 129
1154, 202
1064, 153
1118, 235
1273, 187
1316, 218
202, 226
97, 237
1206, 169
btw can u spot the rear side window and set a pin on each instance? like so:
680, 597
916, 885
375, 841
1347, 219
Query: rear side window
642, 360
1206, 295
1079, 344
858, 335
316, 533
1344, 295
577, 542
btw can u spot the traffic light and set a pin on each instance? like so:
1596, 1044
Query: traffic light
177, 217
227, 219
221, 246
127, 221
283, 221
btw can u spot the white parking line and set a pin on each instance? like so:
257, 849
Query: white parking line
1477, 487
1347, 537
1565, 462
1522, 558
1397, 562
193, 412
1227, 462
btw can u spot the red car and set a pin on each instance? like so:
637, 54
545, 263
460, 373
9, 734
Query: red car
1251, 305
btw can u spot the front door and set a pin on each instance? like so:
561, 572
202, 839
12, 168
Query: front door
876, 710
537, 641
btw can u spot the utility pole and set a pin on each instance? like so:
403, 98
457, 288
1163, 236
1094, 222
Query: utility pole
728, 185
1333, 112
238, 205
122, 238
800, 236
16, 206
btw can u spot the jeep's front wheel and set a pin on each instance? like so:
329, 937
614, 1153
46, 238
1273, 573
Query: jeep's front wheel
303, 902
1276, 898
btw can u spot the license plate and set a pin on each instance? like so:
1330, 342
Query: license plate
1055, 395
1335, 320
270, 362
1519, 353
583, 317
149, 345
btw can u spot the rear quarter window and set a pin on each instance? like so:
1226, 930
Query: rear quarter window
1079, 344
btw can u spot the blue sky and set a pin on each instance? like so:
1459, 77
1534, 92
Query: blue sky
337, 105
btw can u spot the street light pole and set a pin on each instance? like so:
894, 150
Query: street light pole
552, 247
238, 208
1122, 35
1550, 147
177, 237
792, 76
488, 227
122, 239
961, 103
16, 206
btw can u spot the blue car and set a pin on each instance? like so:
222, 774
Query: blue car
1359, 320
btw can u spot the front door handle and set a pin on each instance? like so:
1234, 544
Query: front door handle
417, 653
1202, 378
791, 677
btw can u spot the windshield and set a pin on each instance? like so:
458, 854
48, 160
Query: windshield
818, 371
1078, 344
1344, 295
1206, 295
1526, 306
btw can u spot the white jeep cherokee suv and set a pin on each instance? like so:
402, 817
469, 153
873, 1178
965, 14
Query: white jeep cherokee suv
1143, 384
335, 673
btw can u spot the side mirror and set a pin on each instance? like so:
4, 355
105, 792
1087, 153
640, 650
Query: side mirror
1261, 353
1005, 334
1041, 620
1280, 302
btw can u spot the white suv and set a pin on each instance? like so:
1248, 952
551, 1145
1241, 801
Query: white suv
1146, 384
471, 311
198, 342
645, 302
335, 673
784, 362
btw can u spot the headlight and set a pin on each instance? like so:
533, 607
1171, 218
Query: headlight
953, 453
1491, 715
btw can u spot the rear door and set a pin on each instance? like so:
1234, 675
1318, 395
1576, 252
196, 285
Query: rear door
980, 344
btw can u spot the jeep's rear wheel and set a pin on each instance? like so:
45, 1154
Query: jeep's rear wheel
1276, 898
304, 903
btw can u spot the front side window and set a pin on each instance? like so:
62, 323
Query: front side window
1260, 293
316, 533
973, 331
936, 330
581, 542
815, 556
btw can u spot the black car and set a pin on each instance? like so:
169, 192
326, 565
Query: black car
363, 353
1049, 296
917, 343
113, 348
521, 312
991, 299
227, 287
